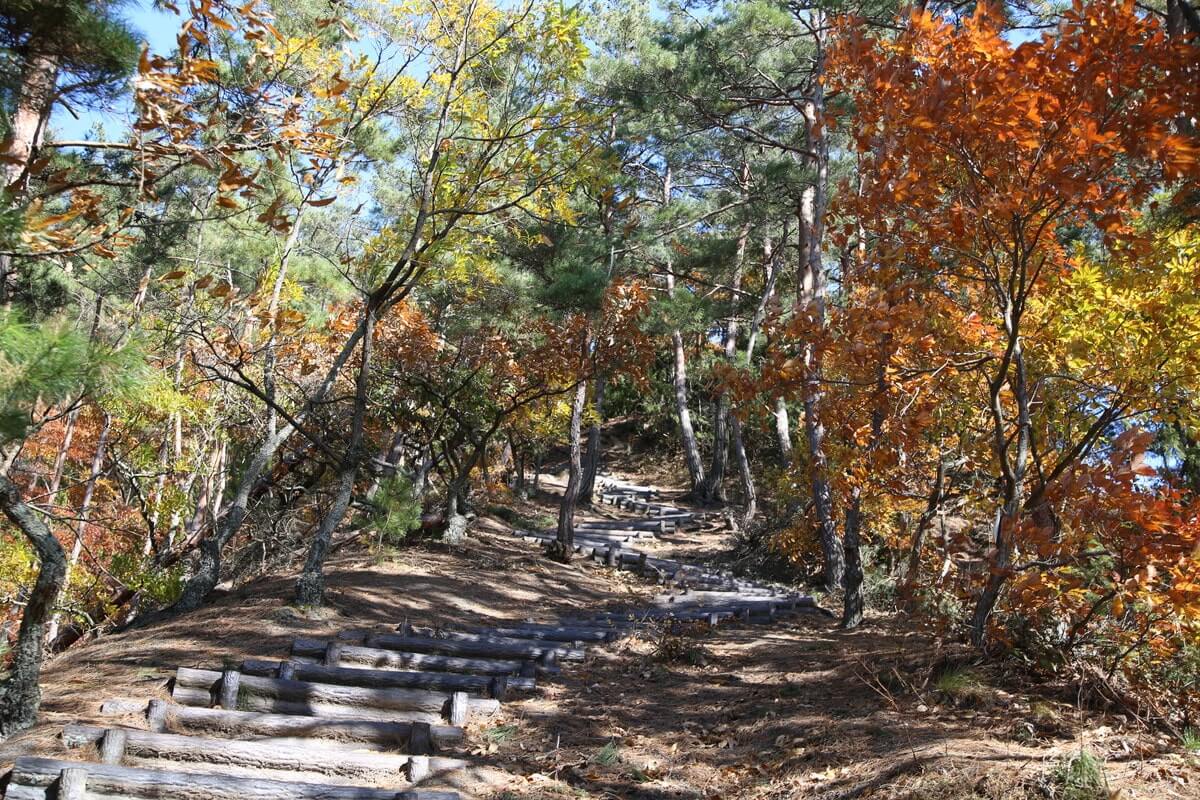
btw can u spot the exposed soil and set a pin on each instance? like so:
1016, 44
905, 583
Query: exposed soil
798, 709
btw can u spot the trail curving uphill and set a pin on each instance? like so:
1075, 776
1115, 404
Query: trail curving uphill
373, 716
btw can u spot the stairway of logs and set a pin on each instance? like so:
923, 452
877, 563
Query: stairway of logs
369, 716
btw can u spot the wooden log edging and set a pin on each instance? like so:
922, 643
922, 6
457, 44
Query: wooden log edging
381, 658
392, 735
296, 755
483, 647
35, 778
495, 686
197, 687
554, 632
651, 525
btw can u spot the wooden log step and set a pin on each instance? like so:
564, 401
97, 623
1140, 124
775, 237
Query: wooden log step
588, 537
699, 611
557, 633
485, 646
201, 686
35, 778
627, 488
709, 599
653, 525
294, 755
380, 658
489, 685
665, 565
628, 533
616, 535
162, 715
702, 589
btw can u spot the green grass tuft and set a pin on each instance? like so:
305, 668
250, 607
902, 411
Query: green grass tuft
1081, 777
608, 755
500, 733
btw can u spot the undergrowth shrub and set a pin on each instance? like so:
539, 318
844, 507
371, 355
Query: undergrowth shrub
157, 585
397, 510
1079, 776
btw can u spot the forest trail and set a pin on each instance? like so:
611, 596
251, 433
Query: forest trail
364, 715
428, 680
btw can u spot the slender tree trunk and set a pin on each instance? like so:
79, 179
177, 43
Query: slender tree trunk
310, 588
564, 544
1012, 478
853, 601
391, 461
783, 433
749, 495
219, 483
714, 488
591, 464
811, 298
20, 694
421, 476
687, 432
85, 508
208, 568
60, 458
936, 495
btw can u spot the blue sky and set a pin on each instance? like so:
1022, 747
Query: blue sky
154, 27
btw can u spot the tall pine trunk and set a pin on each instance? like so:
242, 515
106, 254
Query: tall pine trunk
687, 431
811, 300
34, 101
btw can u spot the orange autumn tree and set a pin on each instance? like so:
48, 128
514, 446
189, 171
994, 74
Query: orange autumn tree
988, 168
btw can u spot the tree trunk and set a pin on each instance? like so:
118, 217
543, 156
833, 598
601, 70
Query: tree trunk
85, 508
783, 433
749, 495
714, 484
208, 568
60, 458
852, 600
812, 297
310, 588
811, 300
35, 99
19, 693
687, 432
390, 459
1012, 479
564, 544
591, 463
936, 495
